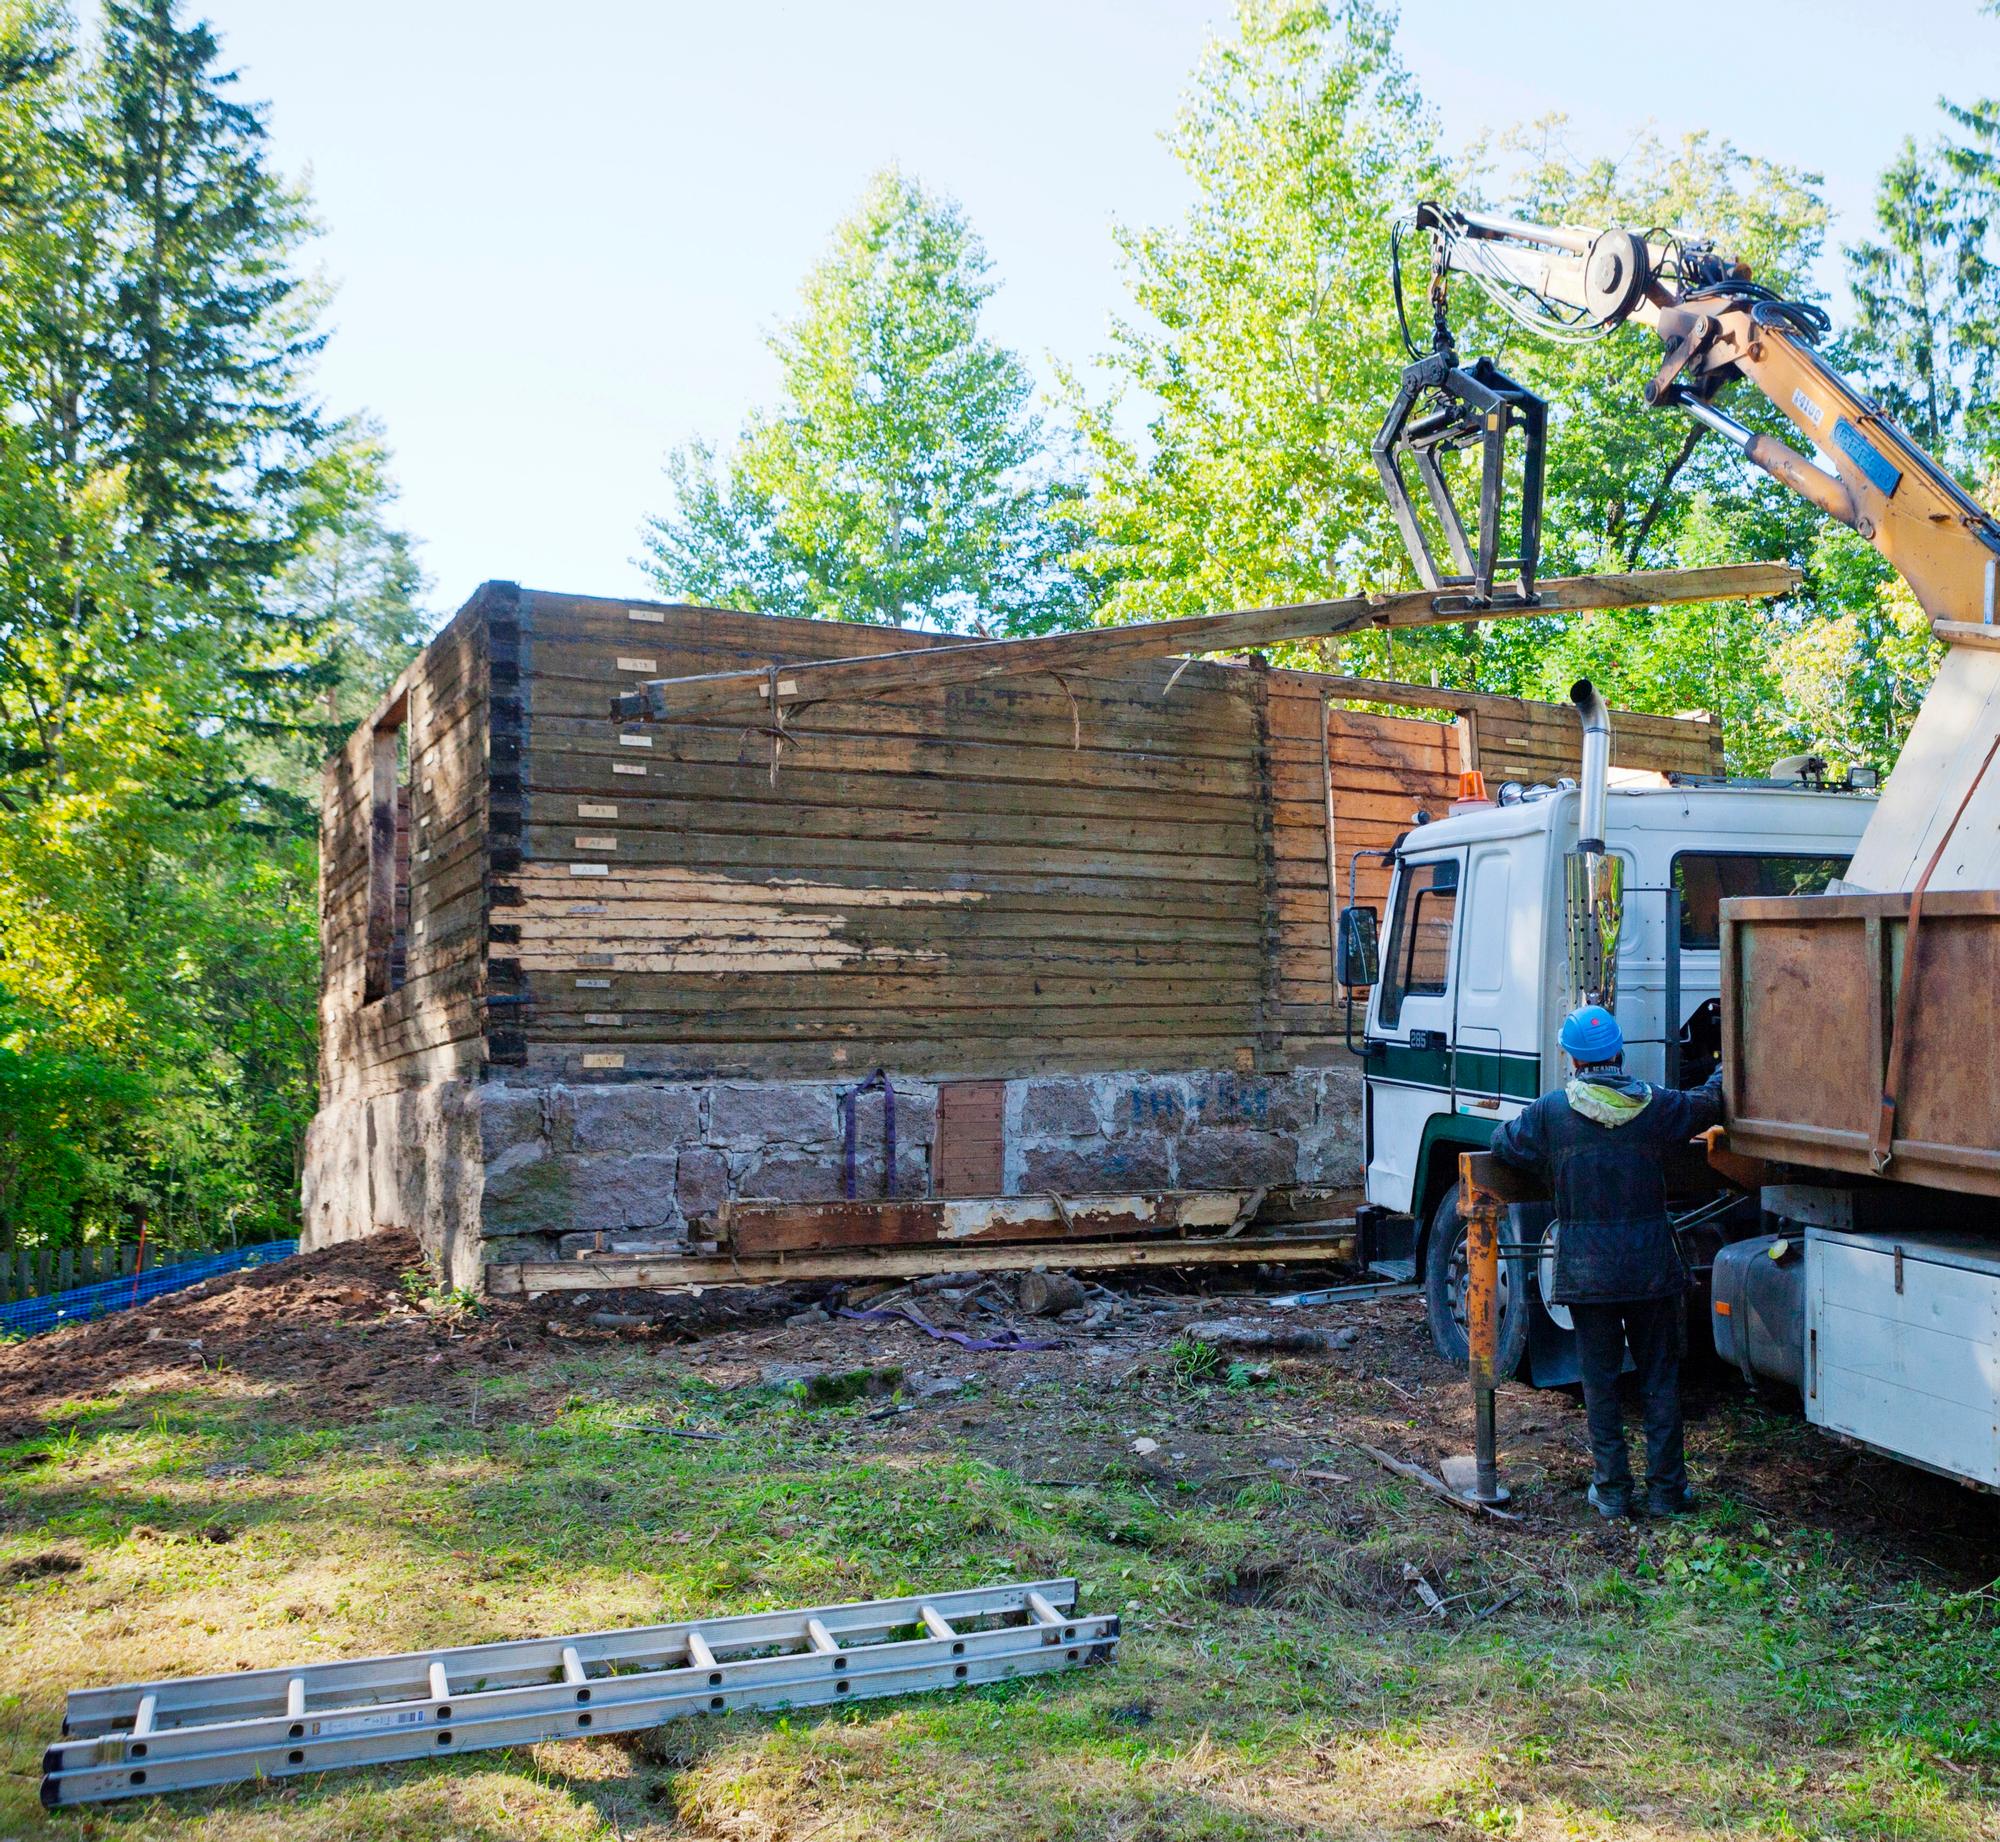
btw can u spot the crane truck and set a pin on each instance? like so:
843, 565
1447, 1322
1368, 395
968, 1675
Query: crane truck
1833, 946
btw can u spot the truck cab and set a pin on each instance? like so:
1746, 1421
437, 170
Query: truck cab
1472, 980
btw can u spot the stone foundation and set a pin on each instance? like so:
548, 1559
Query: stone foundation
492, 1172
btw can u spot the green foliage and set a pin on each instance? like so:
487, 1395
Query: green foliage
60, 1119
1263, 351
903, 478
1192, 1361
432, 1296
191, 564
1265, 347
194, 372
1927, 293
1630, 487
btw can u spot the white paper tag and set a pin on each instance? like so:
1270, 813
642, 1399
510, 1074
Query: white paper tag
364, 1723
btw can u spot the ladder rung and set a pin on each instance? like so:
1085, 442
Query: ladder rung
699, 1654
295, 1697
821, 1638
935, 1622
1055, 1630
440, 1683
572, 1666
142, 1722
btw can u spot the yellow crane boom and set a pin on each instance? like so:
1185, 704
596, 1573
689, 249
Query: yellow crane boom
1717, 324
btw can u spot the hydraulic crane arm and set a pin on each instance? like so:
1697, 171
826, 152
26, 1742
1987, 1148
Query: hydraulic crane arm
1716, 324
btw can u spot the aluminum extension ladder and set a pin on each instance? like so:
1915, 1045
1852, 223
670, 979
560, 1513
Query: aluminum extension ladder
142, 1738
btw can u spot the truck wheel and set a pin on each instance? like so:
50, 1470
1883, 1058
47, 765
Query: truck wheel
1444, 1291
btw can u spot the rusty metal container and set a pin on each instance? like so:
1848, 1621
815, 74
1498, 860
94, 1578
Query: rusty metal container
1808, 998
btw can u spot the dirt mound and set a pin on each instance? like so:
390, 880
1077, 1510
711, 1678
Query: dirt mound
332, 1336
335, 1331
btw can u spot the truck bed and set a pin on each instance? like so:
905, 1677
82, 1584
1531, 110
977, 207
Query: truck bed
1809, 994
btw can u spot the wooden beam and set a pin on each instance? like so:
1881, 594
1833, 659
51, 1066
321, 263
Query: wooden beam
778, 1227
1967, 633
1100, 649
1479, 705
531, 1278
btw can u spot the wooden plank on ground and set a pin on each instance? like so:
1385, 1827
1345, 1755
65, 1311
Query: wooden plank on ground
1100, 649
775, 1227
533, 1277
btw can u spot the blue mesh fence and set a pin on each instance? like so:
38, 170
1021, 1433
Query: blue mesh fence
80, 1304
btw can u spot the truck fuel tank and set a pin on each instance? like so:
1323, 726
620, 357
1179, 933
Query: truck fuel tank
1757, 1307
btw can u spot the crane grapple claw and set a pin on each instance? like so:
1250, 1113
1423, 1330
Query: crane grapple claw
1443, 406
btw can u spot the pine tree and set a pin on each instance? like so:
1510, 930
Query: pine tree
1924, 296
188, 556
211, 325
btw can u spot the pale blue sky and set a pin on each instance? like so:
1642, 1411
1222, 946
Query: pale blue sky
559, 233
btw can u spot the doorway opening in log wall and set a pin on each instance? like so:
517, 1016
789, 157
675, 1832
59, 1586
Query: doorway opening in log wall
389, 856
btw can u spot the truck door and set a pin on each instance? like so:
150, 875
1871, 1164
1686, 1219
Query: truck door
1496, 1061
1409, 1069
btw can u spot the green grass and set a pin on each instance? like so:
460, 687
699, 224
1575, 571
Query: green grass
1728, 1677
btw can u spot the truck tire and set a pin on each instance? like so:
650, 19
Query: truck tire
1444, 1290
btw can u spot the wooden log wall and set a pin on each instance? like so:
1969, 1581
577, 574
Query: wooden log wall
406, 855
1382, 769
994, 878
990, 878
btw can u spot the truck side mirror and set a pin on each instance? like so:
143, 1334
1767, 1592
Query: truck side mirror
1359, 960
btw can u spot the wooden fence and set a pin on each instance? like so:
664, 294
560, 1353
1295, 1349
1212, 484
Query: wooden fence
36, 1272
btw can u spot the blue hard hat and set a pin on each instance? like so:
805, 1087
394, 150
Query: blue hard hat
1592, 1035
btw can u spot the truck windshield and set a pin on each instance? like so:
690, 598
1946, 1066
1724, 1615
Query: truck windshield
1418, 960
1703, 879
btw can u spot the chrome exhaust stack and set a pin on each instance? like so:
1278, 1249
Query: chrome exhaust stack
1595, 781
1594, 880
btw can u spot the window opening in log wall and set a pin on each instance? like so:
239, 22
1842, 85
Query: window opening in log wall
389, 857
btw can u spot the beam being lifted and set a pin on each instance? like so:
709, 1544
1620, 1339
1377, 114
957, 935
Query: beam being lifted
1099, 649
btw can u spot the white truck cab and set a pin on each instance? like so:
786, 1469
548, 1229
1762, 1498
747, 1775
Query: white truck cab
1473, 976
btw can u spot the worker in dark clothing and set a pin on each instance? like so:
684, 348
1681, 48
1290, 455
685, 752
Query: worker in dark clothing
1600, 1144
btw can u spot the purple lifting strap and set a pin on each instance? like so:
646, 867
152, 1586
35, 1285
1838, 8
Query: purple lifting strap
880, 1078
